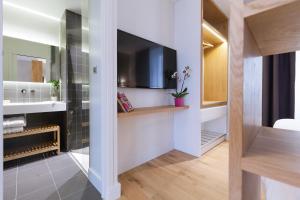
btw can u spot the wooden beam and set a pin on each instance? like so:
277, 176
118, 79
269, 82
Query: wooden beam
253, 7
236, 40
277, 31
244, 58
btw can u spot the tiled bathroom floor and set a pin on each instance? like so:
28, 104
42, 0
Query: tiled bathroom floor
53, 178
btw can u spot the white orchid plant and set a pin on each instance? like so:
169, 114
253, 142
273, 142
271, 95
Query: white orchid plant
186, 73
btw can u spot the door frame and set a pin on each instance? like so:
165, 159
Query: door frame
103, 171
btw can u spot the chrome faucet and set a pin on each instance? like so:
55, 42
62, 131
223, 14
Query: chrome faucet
23, 91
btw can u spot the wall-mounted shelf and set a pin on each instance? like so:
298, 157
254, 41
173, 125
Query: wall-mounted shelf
149, 110
275, 154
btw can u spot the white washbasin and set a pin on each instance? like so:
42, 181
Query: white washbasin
33, 107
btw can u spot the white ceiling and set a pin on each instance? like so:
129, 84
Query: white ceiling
54, 8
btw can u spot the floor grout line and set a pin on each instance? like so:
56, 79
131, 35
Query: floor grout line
52, 178
17, 173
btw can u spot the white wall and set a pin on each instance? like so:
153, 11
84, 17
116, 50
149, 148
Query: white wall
1, 109
103, 94
187, 124
142, 138
29, 26
297, 87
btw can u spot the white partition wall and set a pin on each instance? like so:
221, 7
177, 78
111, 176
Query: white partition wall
1, 107
187, 124
297, 86
103, 93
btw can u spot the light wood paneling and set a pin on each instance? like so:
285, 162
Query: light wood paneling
178, 176
236, 40
37, 71
253, 67
208, 36
215, 73
253, 7
277, 30
275, 153
214, 16
149, 110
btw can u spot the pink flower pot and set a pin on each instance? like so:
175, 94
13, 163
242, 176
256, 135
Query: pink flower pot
179, 102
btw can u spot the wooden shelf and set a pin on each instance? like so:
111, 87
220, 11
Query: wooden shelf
149, 110
275, 154
32, 131
207, 104
34, 150
21, 152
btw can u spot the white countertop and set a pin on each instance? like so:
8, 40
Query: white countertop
33, 107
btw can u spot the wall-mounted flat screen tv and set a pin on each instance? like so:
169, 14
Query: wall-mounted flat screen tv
144, 64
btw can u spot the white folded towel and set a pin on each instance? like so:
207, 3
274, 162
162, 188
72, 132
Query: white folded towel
14, 122
13, 130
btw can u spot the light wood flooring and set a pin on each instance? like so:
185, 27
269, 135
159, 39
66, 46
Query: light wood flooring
178, 176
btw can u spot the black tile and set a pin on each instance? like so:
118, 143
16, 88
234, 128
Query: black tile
10, 177
90, 193
9, 192
33, 170
69, 181
46, 193
60, 162
34, 184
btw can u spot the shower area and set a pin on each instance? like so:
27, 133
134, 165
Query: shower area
75, 84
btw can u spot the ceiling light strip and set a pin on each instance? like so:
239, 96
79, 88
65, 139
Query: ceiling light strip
213, 31
12, 5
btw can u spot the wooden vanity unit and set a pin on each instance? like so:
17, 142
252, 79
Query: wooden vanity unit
34, 149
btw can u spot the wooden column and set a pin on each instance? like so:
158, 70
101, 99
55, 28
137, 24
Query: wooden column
245, 103
236, 28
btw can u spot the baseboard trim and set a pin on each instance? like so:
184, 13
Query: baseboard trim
110, 193
95, 179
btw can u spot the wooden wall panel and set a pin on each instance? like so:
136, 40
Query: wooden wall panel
253, 7
253, 68
214, 16
277, 30
245, 104
215, 73
236, 41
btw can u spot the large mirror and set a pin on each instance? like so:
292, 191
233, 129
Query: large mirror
26, 61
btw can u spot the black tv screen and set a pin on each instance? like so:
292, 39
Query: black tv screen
144, 64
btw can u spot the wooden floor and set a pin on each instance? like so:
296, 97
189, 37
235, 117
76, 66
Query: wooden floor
178, 176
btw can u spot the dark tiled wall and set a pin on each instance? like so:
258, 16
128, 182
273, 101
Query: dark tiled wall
74, 66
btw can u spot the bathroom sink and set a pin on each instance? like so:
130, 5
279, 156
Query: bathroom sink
33, 107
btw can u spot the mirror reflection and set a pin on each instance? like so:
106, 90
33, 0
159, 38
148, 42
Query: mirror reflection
26, 61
